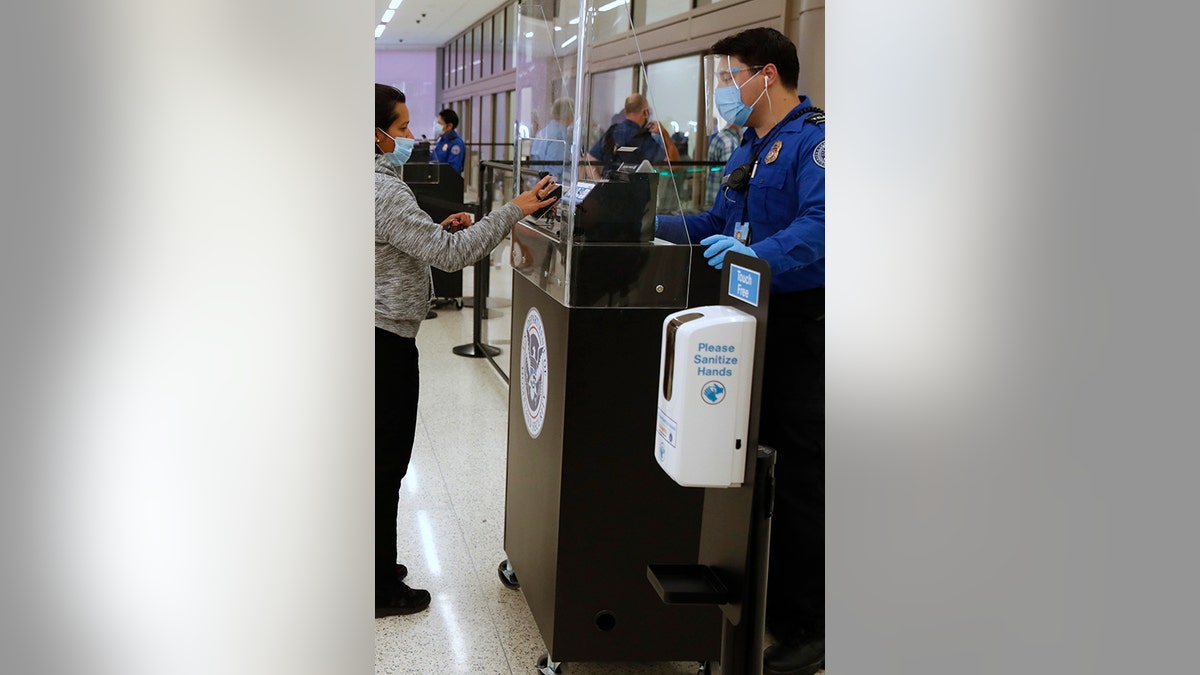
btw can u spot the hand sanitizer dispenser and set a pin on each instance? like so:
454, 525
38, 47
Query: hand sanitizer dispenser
704, 388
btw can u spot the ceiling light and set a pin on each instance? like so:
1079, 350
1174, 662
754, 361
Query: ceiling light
529, 34
387, 15
569, 41
394, 4
574, 21
612, 5
379, 30
557, 28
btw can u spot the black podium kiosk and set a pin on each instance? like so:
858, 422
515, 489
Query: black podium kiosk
587, 508
439, 192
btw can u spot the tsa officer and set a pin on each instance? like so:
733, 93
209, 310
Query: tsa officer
771, 205
449, 148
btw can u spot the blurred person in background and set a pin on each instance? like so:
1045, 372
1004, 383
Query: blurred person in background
548, 151
407, 242
637, 130
720, 148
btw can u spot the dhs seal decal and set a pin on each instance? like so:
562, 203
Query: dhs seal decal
533, 372
819, 154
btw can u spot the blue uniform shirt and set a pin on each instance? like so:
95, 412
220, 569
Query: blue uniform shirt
623, 134
451, 150
785, 203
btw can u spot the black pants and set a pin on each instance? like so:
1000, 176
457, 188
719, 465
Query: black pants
793, 422
397, 386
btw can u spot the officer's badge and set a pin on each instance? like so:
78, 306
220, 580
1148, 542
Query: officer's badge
774, 153
819, 154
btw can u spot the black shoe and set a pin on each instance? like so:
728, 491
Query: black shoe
404, 600
401, 572
795, 657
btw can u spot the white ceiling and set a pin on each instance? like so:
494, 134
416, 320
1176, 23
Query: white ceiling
439, 21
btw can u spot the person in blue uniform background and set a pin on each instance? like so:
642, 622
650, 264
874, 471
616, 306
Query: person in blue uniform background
772, 206
449, 147
637, 130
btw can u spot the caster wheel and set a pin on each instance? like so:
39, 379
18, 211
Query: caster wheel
507, 576
547, 667
458, 304
705, 669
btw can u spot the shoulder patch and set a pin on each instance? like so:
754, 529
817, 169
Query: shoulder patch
819, 154
455, 149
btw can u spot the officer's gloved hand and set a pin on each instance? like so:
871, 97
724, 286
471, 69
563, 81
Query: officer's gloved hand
720, 244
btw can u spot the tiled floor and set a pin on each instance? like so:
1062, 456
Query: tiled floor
451, 526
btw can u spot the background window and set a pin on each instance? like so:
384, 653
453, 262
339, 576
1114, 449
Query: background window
649, 11
464, 58
477, 53
485, 53
612, 18
498, 42
673, 89
609, 90
510, 27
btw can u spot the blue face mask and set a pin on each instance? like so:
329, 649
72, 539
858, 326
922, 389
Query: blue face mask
404, 148
729, 104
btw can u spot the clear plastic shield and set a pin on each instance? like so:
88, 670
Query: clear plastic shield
596, 247
547, 58
723, 79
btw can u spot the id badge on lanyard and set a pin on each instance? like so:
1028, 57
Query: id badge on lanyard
741, 232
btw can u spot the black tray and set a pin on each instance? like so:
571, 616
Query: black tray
687, 584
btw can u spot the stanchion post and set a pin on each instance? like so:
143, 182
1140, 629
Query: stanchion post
476, 349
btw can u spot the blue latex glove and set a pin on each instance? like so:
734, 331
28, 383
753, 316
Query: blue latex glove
720, 244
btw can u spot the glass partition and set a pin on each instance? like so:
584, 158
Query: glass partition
596, 246
673, 89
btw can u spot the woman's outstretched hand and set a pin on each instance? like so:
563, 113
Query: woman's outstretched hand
535, 198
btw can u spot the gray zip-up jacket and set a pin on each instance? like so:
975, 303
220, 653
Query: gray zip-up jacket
408, 241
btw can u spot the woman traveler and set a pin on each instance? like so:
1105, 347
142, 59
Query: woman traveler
407, 242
